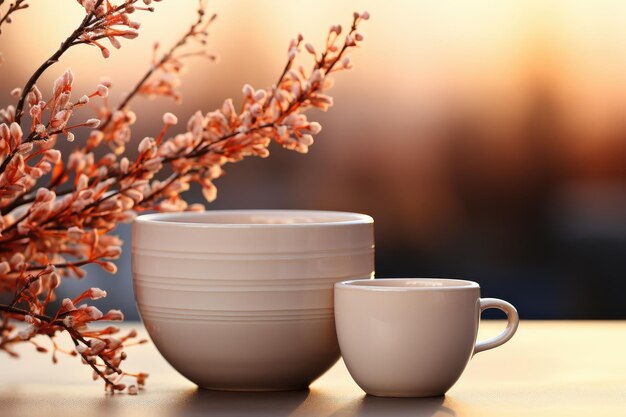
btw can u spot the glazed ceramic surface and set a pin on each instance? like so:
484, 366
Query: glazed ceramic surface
412, 337
243, 300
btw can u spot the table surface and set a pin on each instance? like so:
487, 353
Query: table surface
550, 368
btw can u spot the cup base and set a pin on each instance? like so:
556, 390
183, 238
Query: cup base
395, 394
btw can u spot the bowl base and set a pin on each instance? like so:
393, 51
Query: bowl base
252, 389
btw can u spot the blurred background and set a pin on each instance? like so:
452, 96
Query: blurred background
487, 139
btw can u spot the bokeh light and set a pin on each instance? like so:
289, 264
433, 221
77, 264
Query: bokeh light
486, 138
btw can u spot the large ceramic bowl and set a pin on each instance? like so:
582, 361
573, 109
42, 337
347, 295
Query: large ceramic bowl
243, 300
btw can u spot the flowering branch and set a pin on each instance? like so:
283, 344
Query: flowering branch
13, 7
65, 45
198, 31
91, 345
46, 234
99, 22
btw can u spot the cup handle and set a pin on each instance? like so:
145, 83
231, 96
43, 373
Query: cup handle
513, 322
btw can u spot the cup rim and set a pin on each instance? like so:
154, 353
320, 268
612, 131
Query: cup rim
166, 219
395, 284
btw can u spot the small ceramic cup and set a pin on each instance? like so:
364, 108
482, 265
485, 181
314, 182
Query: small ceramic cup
412, 337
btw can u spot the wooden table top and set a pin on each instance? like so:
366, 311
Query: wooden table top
550, 368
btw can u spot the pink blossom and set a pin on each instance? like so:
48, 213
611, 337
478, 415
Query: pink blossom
60, 211
113, 315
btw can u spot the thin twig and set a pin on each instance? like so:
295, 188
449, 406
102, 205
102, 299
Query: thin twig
166, 57
18, 294
14, 7
74, 334
61, 265
19, 110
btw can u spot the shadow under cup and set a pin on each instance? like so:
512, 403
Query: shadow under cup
243, 300
412, 337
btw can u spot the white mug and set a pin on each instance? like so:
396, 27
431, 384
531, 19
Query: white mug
412, 337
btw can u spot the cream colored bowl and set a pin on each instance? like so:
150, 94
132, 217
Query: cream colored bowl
243, 300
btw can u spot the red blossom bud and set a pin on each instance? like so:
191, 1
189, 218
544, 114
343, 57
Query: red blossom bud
16, 135
28, 332
92, 123
315, 128
196, 207
34, 96
96, 346
135, 195
35, 287
5, 133
109, 267
124, 165
247, 90
75, 233
130, 34
16, 261
55, 281
82, 182
63, 83
93, 313
153, 164
113, 315
68, 305
95, 293
52, 155
170, 119
292, 53
102, 90
116, 44
306, 140
145, 144
141, 378
69, 321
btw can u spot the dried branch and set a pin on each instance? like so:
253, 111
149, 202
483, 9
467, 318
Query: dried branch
65, 45
13, 7
46, 235
197, 30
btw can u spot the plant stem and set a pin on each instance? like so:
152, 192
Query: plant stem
76, 337
12, 8
17, 310
19, 110
167, 56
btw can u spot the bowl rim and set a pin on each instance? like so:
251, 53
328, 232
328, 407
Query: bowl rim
161, 219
